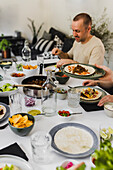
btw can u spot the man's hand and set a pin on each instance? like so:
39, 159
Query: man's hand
56, 51
108, 98
64, 61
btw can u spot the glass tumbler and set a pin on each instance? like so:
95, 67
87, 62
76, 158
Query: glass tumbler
73, 97
40, 144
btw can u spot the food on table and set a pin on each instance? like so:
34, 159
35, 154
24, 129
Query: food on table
20, 121
37, 82
62, 91
70, 166
34, 112
17, 74
5, 63
103, 158
29, 101
90, 94
29, 67
7, 87
78, 69
2, 111
73, 140
64, 113
12, 167
19, 67
106, 133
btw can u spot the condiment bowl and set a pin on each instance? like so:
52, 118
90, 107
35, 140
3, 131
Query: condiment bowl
61, 77
25, 130
61, 93
64, 115
36, 113
108, 108
17, 76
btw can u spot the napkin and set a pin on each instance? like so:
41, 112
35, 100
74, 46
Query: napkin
14, 149
4, 100
91, 107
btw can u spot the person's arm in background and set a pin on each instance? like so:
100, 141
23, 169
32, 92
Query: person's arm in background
60, 53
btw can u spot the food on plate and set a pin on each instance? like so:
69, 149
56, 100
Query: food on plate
64, 113
29, 67
90, 94
73, 140
12, 167
68, 165
5, 63
78, 70
62, 91
2, 111
17, 74
7, 87
20, 121
34, 112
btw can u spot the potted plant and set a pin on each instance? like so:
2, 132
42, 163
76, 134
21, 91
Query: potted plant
5, 48
100, 28
35, 32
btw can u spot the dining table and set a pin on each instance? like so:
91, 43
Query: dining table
91, 119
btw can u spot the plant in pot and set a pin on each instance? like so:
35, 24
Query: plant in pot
100, 28
35, 32
5, 48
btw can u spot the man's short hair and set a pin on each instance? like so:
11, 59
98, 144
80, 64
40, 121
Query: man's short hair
86, 18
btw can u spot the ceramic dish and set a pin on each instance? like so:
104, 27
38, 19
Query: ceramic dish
17, 161
5, 62
7, 113
97, 74
7, 93
59, 127
52, 68
101, 92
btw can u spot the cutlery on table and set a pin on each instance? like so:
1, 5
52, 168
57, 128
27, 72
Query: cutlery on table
76, 113
27, 85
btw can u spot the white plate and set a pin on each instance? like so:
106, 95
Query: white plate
52, 68
90, 69
14, 160
7, 93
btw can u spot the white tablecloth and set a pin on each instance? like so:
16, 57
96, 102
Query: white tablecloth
90, 119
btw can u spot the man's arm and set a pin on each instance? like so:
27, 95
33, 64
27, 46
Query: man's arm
60, 53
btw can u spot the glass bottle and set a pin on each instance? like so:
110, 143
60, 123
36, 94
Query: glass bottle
26, 52
49, 96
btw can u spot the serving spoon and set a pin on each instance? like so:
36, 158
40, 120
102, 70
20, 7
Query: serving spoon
27, 85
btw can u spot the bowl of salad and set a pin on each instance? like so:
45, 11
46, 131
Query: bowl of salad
7, 88
17, 76
64, 115
61, 93
61, 77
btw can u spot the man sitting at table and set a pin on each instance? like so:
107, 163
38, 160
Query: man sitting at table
87, 48
105, 82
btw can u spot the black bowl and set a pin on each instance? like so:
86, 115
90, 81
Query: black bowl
60, 79
23, 131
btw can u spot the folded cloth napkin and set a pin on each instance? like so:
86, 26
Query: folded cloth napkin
91, 107
14, 149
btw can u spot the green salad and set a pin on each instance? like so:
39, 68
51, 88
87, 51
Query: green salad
12, 167
7, 87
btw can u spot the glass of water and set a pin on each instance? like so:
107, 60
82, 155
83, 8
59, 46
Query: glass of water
40, 143
73, 97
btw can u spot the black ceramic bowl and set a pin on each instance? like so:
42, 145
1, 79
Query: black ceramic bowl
61, 78
22, 131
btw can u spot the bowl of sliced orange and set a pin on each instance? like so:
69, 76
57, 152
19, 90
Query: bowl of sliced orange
30, 69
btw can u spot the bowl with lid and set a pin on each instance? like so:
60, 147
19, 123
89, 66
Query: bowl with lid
108, 108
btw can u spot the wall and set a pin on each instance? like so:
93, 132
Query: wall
56, 13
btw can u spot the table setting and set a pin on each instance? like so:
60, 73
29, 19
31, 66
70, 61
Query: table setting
49, 143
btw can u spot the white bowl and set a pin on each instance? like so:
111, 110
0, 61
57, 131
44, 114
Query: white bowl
108, 108
62, 95
37, 117
30, 71
17, 79
7, 93
65, 118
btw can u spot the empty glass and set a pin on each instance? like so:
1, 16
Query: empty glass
40, 143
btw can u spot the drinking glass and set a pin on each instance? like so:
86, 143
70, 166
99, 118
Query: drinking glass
73, 97
40, 143
7, 70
